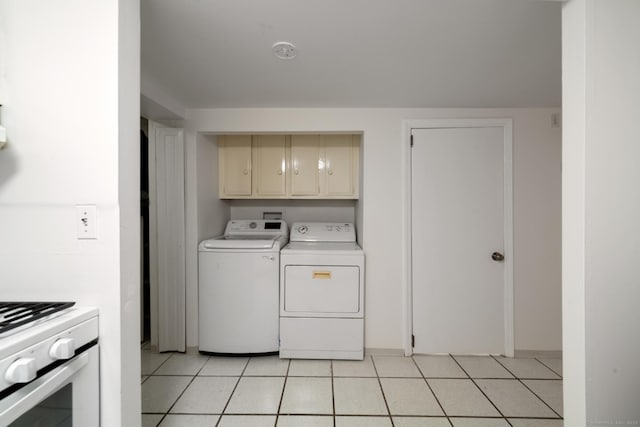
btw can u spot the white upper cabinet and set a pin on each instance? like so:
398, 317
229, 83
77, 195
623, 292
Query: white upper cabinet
289, 167
234, 165
341, 158
270, 166
305, 155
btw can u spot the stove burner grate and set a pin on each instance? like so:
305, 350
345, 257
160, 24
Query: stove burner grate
15, 314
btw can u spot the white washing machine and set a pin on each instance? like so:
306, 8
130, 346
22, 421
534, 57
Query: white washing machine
322, 293
238, 276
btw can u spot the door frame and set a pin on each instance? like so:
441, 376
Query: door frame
507, 126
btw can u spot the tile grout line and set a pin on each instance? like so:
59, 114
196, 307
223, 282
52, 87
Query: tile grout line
548, 367
518, 377
226, 405
384, 397
160, 365
333, 393
525, 386
164, 415
541, 399
178, 398
480, 389
284, 386
432, 392
185, 389
550, 379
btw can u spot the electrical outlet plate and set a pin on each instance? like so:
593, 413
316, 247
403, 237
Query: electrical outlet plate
86, 222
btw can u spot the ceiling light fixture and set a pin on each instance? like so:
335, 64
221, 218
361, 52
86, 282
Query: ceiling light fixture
284, 50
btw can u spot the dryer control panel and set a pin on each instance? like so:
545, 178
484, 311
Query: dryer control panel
323, 232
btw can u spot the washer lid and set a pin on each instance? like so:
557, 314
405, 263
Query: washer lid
244, 242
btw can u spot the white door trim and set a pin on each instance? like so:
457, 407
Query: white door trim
507, 125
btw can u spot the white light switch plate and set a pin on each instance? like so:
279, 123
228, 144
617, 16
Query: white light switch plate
86, 222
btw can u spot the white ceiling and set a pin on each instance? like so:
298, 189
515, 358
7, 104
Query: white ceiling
354, 53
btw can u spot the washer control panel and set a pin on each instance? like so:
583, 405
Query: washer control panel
323, 232
255, 227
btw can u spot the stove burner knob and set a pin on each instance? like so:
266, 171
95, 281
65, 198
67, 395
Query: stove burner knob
63, 349
22, 370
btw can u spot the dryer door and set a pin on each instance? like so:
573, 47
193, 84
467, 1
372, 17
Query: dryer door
319, 290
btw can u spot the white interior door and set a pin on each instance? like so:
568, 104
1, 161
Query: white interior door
167, 237
458, 223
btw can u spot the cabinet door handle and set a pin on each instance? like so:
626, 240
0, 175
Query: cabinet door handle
279, 172
245, 171
297, 172
330, 171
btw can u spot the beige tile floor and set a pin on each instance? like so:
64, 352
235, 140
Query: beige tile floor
420, 391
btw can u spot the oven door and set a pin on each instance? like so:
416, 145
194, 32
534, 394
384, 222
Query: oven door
66, 396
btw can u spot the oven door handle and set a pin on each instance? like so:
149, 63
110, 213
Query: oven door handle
28, 396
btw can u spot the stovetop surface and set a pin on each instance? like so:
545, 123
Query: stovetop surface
46, 326
16, 314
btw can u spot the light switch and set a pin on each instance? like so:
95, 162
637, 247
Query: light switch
86, 222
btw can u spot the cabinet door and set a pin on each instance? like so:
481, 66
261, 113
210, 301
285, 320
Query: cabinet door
340, 165
305, 154
269, 172
234, 163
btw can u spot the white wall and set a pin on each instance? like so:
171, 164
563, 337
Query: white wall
73, 129
537, 156
156, 104
601, 210
129, 207
213, 213
296, 210
380, 210
206, 216
573, 211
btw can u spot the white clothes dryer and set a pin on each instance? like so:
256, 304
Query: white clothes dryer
322, 293
238, 276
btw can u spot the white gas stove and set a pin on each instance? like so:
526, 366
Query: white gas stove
48, 364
